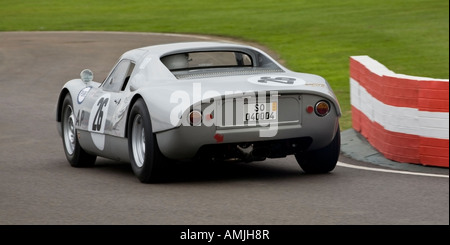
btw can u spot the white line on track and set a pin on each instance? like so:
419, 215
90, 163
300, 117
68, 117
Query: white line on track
346, 165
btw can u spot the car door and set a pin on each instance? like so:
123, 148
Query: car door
101, 110
113, 102
107, 104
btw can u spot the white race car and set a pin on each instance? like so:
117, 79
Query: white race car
199, 100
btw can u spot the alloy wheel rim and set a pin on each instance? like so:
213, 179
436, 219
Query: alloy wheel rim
138, 141
69, 131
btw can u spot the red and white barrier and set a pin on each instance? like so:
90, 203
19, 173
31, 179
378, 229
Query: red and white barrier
404, 117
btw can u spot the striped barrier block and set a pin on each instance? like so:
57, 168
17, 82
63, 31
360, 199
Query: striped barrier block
406, 118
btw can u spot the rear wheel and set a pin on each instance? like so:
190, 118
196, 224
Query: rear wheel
145, 157
323, 160
76, 156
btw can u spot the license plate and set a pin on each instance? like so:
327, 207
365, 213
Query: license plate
260, 112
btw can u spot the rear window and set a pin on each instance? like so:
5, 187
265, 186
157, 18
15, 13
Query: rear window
205, 60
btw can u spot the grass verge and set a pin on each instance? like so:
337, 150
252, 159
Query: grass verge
408, 36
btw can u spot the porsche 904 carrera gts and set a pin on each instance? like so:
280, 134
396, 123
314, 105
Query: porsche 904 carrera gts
199, 100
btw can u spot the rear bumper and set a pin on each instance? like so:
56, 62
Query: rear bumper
185, 142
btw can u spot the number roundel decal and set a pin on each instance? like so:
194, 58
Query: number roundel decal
276, 81
97, 118
82, 94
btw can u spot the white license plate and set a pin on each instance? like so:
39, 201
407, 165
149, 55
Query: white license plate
260, 112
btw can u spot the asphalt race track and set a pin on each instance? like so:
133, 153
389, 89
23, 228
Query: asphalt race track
38, 186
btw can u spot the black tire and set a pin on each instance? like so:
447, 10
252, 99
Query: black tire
75, 155
145, 156
323, 160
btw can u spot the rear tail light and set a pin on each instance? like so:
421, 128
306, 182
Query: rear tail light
322, 108
195, 118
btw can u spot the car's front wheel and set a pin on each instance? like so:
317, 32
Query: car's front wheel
145, 157
76, 156
322, 160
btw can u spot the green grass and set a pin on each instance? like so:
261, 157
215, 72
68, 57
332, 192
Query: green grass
314, 36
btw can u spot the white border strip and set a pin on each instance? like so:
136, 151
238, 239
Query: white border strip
399, 119
381, 70
346, 165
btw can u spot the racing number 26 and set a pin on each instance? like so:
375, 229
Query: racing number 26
97, 122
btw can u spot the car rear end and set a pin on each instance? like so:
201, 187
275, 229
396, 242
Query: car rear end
253, 125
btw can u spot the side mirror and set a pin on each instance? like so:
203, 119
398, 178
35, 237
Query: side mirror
86, 75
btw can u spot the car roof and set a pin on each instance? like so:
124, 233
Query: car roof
163, 49
148, 58
172, 48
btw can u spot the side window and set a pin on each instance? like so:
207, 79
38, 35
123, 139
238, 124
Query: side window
127, 77
118, 79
